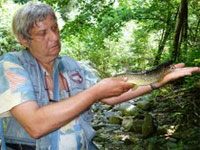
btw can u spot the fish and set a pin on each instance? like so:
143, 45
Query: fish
146, 77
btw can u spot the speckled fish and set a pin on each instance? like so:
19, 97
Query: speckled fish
146, 77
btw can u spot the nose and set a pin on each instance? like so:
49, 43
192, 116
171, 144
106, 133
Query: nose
54, 35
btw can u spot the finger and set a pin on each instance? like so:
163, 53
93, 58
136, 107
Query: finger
191, 69
184, 72
179, 65
129, 86
196, 69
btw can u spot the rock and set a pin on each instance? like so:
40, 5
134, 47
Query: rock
128, 109
144, 105
138, 147
137, 125
115, 120
127, 123
107, 107
147, 126
135, 138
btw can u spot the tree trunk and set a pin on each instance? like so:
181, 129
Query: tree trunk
162, 46
180, 23
164, 38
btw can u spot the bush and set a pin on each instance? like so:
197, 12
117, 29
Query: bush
7, 40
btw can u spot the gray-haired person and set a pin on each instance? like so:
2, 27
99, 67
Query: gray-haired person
45, 98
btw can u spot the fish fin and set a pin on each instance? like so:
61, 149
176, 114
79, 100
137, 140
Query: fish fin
135, 87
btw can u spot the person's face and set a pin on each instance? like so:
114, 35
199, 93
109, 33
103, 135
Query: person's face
45, 40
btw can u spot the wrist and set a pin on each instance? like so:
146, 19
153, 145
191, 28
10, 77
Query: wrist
156, 85
153, 86
95, 93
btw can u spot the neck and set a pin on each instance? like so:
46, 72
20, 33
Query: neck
47, 66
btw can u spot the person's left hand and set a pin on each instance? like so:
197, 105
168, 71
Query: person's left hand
178, 71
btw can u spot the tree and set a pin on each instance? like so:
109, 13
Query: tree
181, 24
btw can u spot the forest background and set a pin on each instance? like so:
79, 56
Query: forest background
121, 35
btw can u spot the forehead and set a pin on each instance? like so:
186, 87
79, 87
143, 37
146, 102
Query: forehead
43, 24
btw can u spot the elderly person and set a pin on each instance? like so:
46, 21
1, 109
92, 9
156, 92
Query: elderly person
45, 98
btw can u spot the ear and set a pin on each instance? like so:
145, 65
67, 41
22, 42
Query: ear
24, 42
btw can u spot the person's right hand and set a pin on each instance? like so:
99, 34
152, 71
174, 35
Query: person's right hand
110, 87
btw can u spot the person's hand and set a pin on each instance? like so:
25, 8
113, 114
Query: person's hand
178, 71
109, 87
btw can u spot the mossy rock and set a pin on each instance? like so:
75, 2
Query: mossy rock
137, 125
144, 105
147, 126
115, 120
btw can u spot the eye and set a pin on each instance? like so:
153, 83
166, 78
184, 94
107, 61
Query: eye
42, 33
55, 27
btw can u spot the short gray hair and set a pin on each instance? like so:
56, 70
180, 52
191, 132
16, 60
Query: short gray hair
28, 15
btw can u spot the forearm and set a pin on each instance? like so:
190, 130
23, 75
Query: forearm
64, 111
131, 94
127, 96
42, 120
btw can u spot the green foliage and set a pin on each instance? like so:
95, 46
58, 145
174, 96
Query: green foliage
61, 3
21, 1
7, 40
91, 28
116, 35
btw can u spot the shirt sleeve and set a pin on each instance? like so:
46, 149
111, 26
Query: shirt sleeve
15, 85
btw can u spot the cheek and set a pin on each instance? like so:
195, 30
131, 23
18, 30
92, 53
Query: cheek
40, 48
43, 45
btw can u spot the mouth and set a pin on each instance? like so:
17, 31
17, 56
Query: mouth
56, 46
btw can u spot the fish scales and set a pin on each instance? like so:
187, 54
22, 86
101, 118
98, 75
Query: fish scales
148, 76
